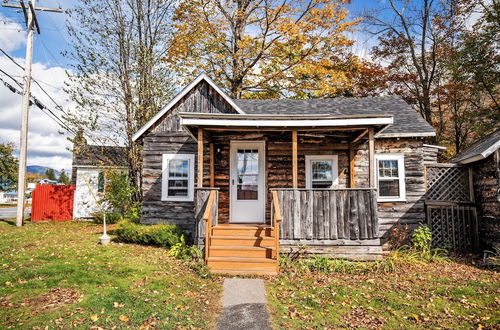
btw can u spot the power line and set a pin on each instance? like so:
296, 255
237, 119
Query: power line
10, 58
59, 107
40, 105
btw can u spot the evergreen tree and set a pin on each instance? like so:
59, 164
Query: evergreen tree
51, 175
63, 178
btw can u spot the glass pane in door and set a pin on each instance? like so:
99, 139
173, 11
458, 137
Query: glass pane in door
247, 174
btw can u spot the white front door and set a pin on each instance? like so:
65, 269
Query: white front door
247, 181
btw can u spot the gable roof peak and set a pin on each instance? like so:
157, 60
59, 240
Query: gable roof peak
179, 96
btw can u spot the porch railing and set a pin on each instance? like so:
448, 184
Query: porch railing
328, 214
206, 212
276, 218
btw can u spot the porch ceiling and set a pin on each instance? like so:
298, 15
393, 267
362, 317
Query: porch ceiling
234, 122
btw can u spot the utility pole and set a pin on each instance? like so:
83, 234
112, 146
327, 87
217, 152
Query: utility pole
31, 22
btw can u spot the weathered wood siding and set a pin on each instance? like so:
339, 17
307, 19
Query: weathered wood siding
325, 214
410, 212
430, 154
201, 99
167, 137
486, 179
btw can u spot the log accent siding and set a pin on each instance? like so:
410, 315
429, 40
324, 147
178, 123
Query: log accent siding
486, 178
279, 172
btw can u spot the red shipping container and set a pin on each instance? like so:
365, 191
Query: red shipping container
51, 202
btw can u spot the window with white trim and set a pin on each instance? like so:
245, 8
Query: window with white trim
391, 177
321, 171
177, 177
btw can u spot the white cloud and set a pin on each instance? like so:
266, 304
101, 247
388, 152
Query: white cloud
12, 36
46, 147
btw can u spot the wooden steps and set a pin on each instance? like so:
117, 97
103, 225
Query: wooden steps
242, 250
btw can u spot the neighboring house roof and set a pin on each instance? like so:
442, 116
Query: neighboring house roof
407, 121
480, 149
100, 156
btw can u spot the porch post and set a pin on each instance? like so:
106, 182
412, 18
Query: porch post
371, 147
295, 172
212, 167
200, 157
352, 183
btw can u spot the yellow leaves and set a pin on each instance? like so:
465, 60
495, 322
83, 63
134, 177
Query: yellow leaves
124, 318
118, 305
272, 45
8, 283
94, 317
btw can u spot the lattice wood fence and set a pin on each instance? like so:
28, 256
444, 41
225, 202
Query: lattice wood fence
449, 182
453, 227
450, 211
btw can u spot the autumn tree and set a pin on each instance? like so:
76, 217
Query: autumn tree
264, 48
119, 78
8, 167
408, 42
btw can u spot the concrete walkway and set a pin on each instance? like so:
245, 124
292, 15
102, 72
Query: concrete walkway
245, 305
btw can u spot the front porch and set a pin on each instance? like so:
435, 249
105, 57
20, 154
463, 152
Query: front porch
330, 213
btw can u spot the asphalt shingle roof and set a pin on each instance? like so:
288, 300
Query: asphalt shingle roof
480, 148
91, 155
407, 121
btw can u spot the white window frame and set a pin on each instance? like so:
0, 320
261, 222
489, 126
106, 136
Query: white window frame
335, 169
164, 182
400, 158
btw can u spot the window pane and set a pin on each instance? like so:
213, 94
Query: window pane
388, 168
247, 192
177, 184
177, 192
321, 170
178, 168
248, 174
388, 188
100, 182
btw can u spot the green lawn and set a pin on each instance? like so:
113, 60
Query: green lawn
55, 275
449, 295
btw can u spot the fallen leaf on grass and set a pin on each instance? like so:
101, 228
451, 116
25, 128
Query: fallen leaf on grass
94, 317
124, 318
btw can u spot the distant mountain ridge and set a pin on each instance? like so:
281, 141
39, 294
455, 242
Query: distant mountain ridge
37, 169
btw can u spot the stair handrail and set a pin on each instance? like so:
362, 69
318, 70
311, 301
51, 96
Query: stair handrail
277, 217
207, 217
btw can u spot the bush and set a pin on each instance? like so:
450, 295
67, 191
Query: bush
111, 217
421, 240
119, 195
164, 235
182, 251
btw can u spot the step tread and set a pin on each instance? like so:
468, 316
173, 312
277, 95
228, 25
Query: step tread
241, 247
243, 272
250, 237
229, 227
243, 259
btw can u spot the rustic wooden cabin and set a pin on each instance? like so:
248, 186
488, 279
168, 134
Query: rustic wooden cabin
253, 177
483, 157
